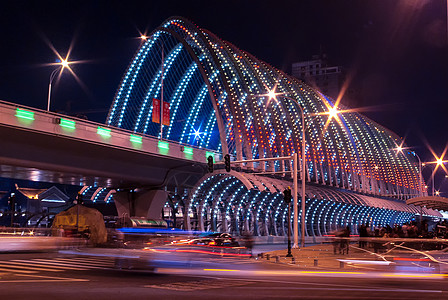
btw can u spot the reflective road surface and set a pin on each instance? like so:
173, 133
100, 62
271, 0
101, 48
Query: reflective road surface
123, 274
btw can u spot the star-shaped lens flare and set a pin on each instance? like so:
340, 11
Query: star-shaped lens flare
439, 161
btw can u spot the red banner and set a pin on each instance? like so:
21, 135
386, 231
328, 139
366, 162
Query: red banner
156, 110
166, 114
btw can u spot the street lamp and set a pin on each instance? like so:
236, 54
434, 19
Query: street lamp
332, 113
420, 192
61, 65
400, 149
439, 162
273, 95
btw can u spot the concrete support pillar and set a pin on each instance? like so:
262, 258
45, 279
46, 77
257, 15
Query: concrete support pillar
141, 203
224, 227
186, 212
246, 225
201, 218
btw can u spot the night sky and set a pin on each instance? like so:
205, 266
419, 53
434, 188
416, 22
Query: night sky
395, 51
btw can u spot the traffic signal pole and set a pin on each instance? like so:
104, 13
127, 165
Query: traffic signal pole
296, 202
287, 197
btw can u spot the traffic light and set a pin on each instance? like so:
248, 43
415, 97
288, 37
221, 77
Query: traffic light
210, 163
287, 195
227, 162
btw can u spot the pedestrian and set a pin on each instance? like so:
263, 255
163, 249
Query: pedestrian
338, 241
362, 236
345, 240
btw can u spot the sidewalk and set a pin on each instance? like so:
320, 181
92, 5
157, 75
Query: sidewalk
321, 256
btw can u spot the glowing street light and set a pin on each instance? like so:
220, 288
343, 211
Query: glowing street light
439, 162
333, 113
400, 149
272, 95
64, 63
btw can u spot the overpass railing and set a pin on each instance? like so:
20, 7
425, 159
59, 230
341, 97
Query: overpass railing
32, 119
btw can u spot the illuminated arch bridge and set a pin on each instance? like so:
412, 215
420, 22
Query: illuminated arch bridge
213, 91
236, 202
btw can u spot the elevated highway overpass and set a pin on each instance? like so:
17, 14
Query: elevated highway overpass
49, 147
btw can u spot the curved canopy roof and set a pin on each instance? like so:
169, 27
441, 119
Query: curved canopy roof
430, 202
213, 91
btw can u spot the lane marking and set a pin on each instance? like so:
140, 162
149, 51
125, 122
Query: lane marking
97, 254
91, 260
48, 263
17, 271
44, 279
14, 265
78, 261
345, 289
65, 263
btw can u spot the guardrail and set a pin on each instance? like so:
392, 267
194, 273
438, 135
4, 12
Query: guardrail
32, 119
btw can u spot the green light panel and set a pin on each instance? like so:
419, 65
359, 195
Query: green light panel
103, 131
164, 145
188, 150
69, 124
136, 139
24, 114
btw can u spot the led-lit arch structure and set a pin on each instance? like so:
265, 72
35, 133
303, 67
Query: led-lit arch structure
236, 202
213, 90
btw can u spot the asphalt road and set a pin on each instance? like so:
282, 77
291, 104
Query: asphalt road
95, 276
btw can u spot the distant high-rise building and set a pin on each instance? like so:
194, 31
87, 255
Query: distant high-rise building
317, 73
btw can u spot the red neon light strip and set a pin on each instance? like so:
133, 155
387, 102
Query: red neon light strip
411, 259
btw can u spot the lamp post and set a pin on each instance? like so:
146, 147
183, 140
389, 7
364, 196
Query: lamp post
420, 193
432, 180
61, 65
273, 95
438, 163
332, 112
400, 149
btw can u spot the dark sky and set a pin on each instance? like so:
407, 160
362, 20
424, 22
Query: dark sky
396, 51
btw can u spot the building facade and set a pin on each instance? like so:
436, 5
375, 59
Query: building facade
317, 73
